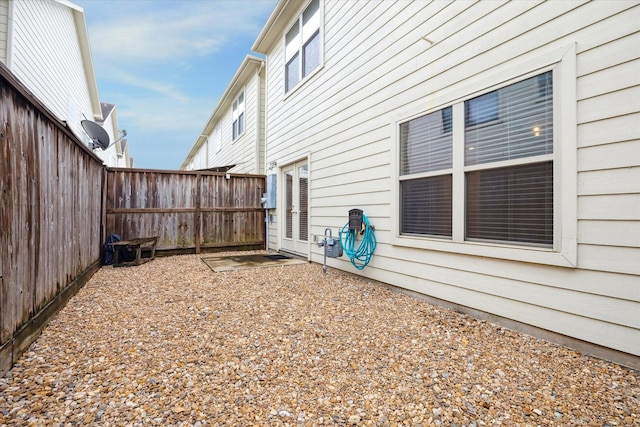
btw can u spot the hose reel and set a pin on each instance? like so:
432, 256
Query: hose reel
361, 254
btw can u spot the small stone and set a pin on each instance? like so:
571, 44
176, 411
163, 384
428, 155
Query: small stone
537, 412
354, 419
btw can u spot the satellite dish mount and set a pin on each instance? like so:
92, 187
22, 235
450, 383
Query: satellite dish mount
99, 137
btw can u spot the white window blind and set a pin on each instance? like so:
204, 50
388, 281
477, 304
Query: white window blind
510, 123
426, 143
426, 146
426, 206
514, 203
303, 214
288, 189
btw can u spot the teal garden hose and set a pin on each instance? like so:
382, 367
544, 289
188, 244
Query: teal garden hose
360, 255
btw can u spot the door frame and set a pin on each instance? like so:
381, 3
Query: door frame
304, 248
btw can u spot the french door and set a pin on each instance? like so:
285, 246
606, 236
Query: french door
295, 225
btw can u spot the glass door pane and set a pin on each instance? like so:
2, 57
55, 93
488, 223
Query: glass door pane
288, 204
303, 191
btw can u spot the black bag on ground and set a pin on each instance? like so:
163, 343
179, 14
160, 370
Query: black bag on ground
108, 248
124, 254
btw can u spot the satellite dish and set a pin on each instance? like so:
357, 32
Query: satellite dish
99, 136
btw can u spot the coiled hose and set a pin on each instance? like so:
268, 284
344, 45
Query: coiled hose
361, 255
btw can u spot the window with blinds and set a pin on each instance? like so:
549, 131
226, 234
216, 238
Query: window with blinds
238, 116
425, 166
302, 46
513, 203
510, 123
507, 168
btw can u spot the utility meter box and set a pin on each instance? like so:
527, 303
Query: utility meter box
270, 195
333, 247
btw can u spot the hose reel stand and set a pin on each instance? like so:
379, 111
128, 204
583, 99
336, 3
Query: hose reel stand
332, 247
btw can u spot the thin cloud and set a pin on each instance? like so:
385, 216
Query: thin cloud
158, 87
171, 31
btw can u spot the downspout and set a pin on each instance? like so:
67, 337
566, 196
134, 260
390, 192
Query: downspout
10, 24
206, 153
261, 161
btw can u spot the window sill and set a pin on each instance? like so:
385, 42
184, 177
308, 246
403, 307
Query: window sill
233, 141
303, 81
526, 254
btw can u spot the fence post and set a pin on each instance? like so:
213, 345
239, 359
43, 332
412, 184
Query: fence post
198, 213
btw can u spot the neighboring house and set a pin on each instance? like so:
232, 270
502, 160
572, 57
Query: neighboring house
117, 155
234, 133
493, 145
46, 46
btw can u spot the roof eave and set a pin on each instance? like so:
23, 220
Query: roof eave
87, 59
282, 14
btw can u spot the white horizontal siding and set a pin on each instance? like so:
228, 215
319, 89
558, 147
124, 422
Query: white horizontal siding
610, 233
244, 151
609, 207
624, 154
47, 59
610, 130
4, 29
377, 68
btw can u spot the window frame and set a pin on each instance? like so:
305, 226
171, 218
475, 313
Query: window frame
300, 53
564, 249
242, 117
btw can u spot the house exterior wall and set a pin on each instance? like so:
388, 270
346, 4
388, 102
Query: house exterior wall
4, 29
216, 147
378, 71
46, 56
200, 159
242, 151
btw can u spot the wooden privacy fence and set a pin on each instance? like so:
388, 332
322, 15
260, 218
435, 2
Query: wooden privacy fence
51, 216
187, 210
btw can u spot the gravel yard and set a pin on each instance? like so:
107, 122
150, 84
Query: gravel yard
172, 343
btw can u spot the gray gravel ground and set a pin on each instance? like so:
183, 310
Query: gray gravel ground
172, 343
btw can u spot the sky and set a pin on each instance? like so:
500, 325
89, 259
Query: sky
166, 63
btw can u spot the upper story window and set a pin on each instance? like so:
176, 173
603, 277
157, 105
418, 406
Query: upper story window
217, 139
238, 116
302, 46
502, 174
